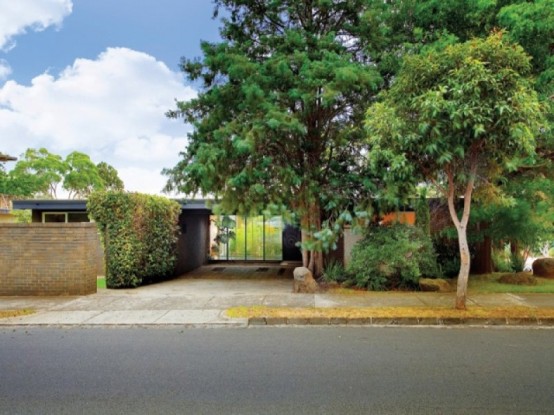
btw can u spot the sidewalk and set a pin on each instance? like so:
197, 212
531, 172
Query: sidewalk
200, 298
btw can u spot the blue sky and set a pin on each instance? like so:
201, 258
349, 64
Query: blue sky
97, 76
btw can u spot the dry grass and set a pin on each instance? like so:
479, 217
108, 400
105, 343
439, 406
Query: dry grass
390, 312
15, 313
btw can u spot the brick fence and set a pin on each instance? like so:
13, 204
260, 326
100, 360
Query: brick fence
48, 259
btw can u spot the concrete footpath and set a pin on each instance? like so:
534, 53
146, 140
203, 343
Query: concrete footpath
200, 298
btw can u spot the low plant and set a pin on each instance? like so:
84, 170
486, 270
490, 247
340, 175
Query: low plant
334, 272
502, 260
394, 256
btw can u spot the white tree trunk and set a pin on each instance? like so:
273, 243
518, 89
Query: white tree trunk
461, 228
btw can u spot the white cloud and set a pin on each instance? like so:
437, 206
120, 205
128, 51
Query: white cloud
5, 69
18, 16
111, 108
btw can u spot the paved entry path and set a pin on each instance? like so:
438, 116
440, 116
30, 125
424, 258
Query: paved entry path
200, 298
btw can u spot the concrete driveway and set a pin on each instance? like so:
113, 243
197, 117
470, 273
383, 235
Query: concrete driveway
200, 297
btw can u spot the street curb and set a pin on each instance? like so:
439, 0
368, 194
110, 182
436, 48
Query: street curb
400, 321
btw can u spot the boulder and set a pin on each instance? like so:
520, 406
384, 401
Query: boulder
304, 281
518, 278
434, 284
543, 267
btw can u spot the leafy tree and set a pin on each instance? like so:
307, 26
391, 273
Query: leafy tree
82, 176
16, 184
453, 117
525, 218
39, 173
277, 121
41, 170
110, 177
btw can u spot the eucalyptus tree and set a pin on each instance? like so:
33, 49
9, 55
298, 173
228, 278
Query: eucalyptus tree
457, 118
82, 176
277, 121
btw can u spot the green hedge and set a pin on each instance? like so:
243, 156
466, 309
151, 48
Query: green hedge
140, 236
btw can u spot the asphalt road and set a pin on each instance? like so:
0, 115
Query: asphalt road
276, 371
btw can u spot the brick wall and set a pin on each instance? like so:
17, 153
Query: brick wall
48, 259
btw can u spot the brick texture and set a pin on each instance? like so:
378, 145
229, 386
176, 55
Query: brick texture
48, 259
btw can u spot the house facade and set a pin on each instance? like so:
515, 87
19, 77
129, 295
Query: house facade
202, 239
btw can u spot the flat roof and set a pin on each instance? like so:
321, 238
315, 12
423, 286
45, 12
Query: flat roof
195, 205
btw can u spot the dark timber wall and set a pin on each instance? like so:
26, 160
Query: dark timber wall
48, 259
193, 242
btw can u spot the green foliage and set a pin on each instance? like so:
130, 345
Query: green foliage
39, 173
140, 235
525, 215
334, 271
82, 176
391, 257
278, 119
423, 215
110, 177
457, 118
22, 216
502, 260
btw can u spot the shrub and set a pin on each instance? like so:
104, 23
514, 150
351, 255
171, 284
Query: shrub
501, 260
423, 215
334, 272
139, 234
393, 256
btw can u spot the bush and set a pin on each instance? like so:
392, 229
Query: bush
139, 234
393, 256
334, 272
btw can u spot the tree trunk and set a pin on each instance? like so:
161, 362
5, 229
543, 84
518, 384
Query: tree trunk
305, 252
311, 223
463, 275
461, 228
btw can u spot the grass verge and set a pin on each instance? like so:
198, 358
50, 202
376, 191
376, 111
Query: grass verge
488, 283
15, 313
390, 312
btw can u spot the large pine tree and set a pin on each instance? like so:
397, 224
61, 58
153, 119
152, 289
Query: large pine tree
279, 115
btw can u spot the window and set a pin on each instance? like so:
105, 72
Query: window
64, 217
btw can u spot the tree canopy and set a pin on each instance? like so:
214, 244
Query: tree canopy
39, 173
456, 116
278, 118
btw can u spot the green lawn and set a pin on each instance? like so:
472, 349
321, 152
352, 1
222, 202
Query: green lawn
488, 284
101, 282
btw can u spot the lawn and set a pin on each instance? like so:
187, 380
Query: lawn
101, 282
488, 283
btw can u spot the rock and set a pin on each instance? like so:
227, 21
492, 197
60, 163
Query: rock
434, 284
304, 281
518, 278
543, 267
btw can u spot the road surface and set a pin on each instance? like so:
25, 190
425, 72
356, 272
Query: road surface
276, 371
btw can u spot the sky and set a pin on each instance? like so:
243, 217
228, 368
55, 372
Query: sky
97, 76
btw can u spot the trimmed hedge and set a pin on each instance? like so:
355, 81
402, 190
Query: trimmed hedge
140, 236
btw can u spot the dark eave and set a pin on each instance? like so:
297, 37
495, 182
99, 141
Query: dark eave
51, 205
188, 206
